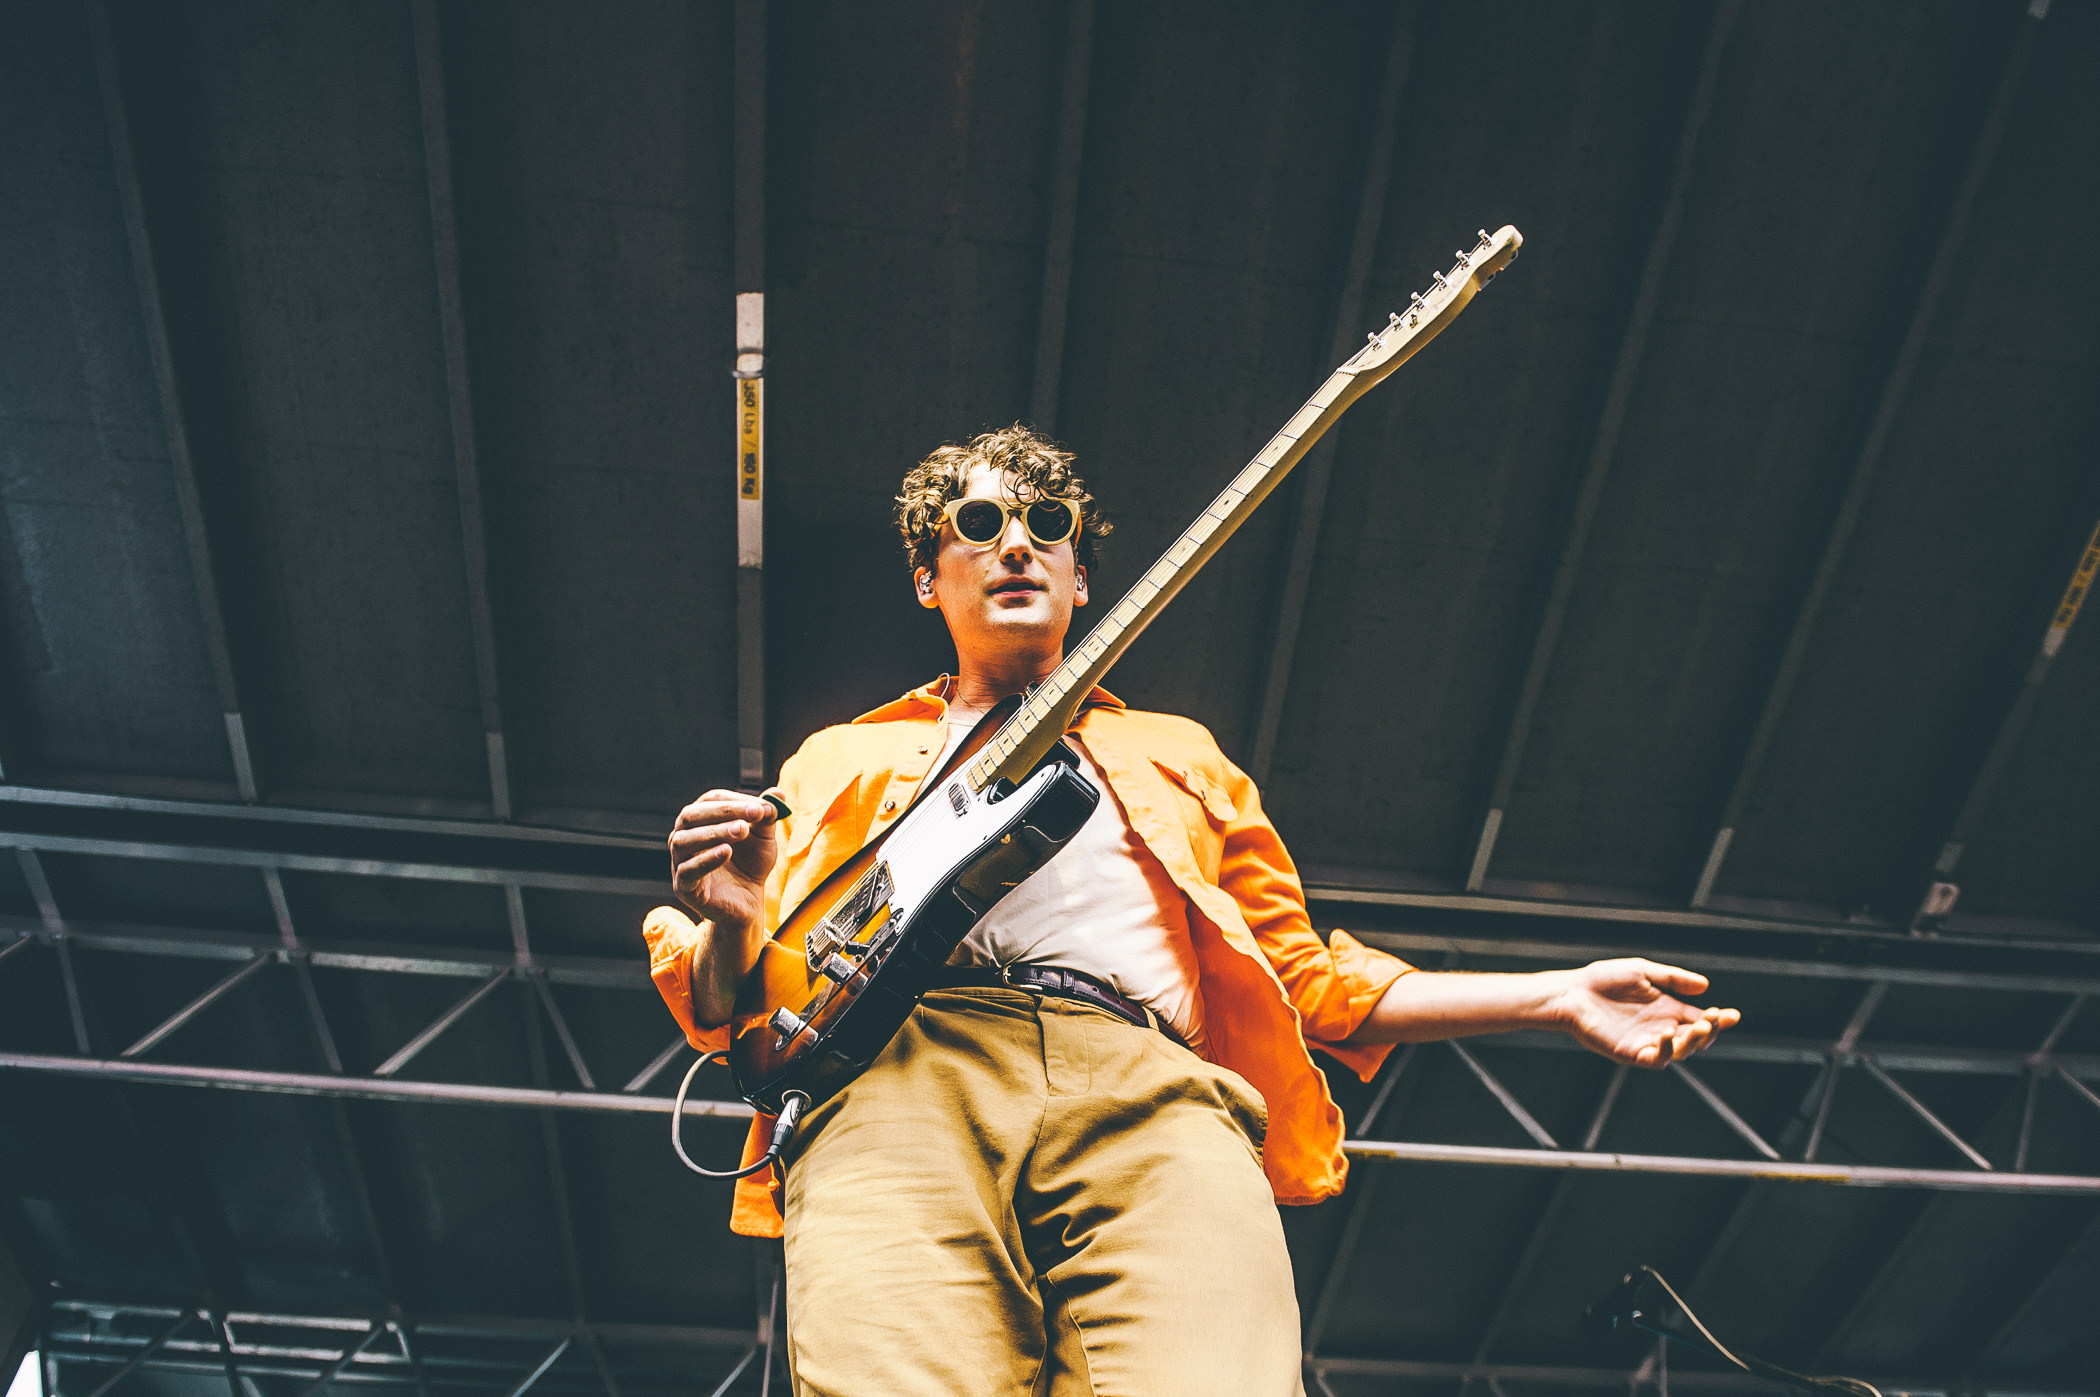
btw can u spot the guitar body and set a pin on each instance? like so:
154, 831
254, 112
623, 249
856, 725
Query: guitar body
842, 973
844, 970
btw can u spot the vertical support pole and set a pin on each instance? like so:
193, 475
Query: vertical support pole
459, 392
188, 498
750, 218
1604, 443
1894, 389
1940, 895
1317, 471
1056, 302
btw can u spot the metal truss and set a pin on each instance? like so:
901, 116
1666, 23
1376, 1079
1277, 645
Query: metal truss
496, 1353
514, 1356
2046, 1077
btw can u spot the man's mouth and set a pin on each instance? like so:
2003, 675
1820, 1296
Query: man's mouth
1018, 584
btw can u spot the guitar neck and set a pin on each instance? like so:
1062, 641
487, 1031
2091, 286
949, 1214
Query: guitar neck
1031, 732
1026, 738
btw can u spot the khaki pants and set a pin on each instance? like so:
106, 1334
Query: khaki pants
1030, 1196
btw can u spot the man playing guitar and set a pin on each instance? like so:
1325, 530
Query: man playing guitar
1061, 1175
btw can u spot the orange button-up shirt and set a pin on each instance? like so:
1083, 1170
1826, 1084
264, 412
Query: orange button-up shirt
1270, 984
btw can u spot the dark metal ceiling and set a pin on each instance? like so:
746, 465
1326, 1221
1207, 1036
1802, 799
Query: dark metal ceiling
370, 604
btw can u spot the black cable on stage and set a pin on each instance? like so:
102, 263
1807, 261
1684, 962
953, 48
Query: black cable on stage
1626, 1306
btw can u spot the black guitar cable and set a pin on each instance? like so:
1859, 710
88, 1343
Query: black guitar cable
792, 1106
1628, 1306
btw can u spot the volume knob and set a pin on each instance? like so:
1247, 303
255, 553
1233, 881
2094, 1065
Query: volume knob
836, 968
785, 1023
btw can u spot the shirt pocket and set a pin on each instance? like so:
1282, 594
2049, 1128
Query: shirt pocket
1208, 794
1206, 830
804, 826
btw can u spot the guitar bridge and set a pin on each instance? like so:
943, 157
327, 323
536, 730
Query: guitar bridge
854, 911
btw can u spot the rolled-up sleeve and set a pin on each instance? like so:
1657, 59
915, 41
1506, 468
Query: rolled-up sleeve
1334, 984
672, 937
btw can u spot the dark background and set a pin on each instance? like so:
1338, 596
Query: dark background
1786, 411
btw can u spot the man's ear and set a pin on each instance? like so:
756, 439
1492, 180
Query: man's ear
1078, 585
922, 587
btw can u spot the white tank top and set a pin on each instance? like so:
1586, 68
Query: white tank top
1104, 906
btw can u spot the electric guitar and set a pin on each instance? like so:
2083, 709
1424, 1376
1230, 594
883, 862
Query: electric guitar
841, 974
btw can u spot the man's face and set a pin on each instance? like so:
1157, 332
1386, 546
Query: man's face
1005, 598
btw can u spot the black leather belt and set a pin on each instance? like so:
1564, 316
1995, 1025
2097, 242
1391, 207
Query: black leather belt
1056, 980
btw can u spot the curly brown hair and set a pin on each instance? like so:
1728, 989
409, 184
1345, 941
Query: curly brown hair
1040, 471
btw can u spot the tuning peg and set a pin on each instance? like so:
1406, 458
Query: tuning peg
1461, 261
1484, 241
1372, 337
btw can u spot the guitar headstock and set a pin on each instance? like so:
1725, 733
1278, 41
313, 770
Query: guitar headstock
1430, 310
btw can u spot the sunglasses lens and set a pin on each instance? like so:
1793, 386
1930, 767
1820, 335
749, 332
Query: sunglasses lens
980, 521
1049, 523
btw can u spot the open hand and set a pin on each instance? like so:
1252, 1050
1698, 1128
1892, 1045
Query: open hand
1625, 1009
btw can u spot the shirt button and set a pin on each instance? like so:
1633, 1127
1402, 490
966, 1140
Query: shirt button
888, 806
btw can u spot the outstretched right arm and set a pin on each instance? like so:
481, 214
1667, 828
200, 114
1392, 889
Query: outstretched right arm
722, 849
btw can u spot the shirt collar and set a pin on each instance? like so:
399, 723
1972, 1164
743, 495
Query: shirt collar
930, 701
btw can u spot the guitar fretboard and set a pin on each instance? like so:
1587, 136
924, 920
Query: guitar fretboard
1023, 739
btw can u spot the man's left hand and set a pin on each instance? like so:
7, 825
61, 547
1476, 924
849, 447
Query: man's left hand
1627, 1010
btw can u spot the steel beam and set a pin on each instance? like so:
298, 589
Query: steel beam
561, 1030
656, 1065
1054, 306
1364, 1184
632, 973
2010, 731
1894, 390
459, 391
748, 211
191, 1010
1722, 1109
231, 1365
553, 1356
40, 890
1604, 443
1923, 1112
1514, 948
417, 1044
360, 1088
446, 1324
1856, 1176
174, 419
1570, 1377
1524, 1119
350, 1354
328, 862
1542, 1230
485, 967
151, 1347
558, 1185
2053, 1277
274, 837
339, 1120
1316, 471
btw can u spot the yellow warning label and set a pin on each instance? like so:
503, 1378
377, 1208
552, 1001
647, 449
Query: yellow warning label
2074, 595
751, 438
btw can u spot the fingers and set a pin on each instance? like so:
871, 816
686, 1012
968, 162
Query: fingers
718, 806
687, 842
1673, 979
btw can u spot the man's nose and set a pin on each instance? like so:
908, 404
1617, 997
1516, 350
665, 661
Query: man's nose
1015, 543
